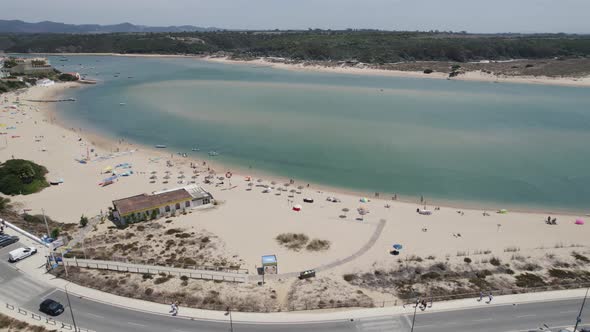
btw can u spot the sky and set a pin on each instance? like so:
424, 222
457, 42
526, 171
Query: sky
570, 16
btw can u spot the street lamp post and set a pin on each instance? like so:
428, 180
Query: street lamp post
70, 305
231, 323
414, 318
579, 318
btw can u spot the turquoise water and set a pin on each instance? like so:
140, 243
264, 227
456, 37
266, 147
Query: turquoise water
503, 144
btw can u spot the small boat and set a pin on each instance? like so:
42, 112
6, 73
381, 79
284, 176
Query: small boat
196, 149
213, 153
161, 146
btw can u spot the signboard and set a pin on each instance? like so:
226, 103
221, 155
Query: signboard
269, 264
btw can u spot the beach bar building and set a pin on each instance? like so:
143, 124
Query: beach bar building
162, 203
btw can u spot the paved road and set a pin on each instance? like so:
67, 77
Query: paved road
20, 290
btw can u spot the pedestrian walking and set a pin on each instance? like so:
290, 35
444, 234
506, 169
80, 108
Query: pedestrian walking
490, 298
480, 297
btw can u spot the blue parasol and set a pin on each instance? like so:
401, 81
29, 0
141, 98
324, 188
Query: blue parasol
397, 246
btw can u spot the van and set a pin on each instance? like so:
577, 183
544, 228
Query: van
21, 253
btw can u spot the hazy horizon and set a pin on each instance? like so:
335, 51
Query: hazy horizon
500, 16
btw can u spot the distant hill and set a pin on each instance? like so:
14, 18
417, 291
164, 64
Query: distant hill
17, 26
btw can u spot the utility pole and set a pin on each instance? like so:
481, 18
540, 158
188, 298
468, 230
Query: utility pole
70, 305
414, 318
231, 323
579, 318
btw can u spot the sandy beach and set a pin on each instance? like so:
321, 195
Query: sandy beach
248, 220
477, 76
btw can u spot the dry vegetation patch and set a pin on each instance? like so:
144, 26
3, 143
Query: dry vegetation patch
10, 324
298, 241
156, 243
204, 294
325, 292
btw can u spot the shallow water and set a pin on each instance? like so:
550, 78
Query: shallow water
503, 144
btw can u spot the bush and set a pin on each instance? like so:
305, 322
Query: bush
562, 274
495, 261
83, 221
349, 277
318, 245
148, 291
529, 280
430, 275
67, 77
581, 257
55, 233
4, 204
467, 260
428, 71
18, 176
294, 241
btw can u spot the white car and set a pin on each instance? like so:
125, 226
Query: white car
21, 253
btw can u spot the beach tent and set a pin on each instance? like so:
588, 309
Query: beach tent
107, 169
502, 211
296, 207
364, 200
579, 222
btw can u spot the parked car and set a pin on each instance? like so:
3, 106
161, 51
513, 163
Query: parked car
51, 307
6, 240
21, 253
307, 274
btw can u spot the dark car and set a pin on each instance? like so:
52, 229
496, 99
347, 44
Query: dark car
307, 274
6, 240
51, 307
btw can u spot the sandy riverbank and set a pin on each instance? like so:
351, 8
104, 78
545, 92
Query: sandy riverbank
476, 76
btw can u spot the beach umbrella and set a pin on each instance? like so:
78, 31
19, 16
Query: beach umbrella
364, 200
579, 222
194, 176
167, 177
154, 172
293, 191
248, 178
296, 207
259, 180
181, 177
345, 210
250, 184
287, 184
300, 187
397, 246
273, 183
153, 177
181, 172
503, 211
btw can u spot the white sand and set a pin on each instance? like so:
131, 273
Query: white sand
249, 221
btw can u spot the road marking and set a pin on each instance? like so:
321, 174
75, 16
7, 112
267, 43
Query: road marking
481, 320
93, 315
523, 316
131, 323
180, 331
48, 294
568, 312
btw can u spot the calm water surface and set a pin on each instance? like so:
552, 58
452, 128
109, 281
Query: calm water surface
503, 144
